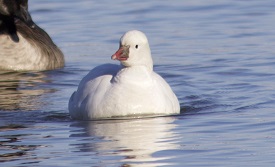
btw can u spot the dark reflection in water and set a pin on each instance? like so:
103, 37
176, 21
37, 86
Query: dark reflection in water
10, 149
21, 91
21, 138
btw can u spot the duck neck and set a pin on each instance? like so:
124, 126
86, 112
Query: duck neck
135, 74
7, 26
148, 67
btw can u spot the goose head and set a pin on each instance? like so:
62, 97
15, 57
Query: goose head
16, 9
14, 12
134, 50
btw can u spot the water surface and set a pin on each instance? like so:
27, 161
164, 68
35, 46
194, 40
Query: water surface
218, 57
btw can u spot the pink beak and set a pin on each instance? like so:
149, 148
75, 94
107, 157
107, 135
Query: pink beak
122, 54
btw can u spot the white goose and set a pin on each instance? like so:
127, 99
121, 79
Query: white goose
129, 89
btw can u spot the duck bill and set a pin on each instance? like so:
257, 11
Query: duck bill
24, 15
122, 54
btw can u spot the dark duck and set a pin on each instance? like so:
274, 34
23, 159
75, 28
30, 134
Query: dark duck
25, 46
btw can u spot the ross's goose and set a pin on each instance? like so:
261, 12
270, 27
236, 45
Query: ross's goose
24, 45
129, 89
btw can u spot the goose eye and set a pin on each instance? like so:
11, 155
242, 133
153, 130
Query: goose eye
136, 46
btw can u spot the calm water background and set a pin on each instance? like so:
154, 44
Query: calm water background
218, 56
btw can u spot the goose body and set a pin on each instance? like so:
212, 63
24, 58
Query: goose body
23, 44
129, 89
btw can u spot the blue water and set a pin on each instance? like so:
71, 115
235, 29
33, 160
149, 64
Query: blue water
218, 57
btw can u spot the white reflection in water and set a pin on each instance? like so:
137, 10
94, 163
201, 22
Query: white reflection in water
136, 140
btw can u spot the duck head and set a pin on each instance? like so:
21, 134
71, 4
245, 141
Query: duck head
134, 50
